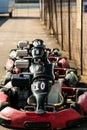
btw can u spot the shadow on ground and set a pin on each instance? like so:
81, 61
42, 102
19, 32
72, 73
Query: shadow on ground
3, 19
24, 17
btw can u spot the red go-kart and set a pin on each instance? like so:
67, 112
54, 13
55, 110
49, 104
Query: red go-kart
37, 102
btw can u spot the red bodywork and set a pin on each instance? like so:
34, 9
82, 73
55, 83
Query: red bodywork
19, 119
69, 90
53, 58
9, 64
61, 71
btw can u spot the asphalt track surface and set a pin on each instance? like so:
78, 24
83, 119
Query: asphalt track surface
24, 25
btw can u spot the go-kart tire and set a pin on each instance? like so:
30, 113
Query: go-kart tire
3, 105
79, 92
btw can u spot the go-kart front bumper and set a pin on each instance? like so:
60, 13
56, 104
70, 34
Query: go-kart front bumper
10, 117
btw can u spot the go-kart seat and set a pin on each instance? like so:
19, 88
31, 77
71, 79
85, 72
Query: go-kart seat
55, 96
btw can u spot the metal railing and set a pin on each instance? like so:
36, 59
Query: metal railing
28, 8
67, 21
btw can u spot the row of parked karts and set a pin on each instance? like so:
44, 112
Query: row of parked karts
40, 89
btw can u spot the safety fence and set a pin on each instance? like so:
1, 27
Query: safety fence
26, 1
67, 21
27, 6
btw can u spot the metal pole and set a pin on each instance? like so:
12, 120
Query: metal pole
61, 12
56, 18
40, 2
81, 37
69, 30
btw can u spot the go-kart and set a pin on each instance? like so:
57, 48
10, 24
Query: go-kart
21, 63
56, 57
24, 50
34, 100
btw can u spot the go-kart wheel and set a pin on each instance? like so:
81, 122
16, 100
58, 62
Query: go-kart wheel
3, 105
76, 106
79, 92
55, 49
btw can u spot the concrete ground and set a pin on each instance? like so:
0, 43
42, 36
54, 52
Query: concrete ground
24, 25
